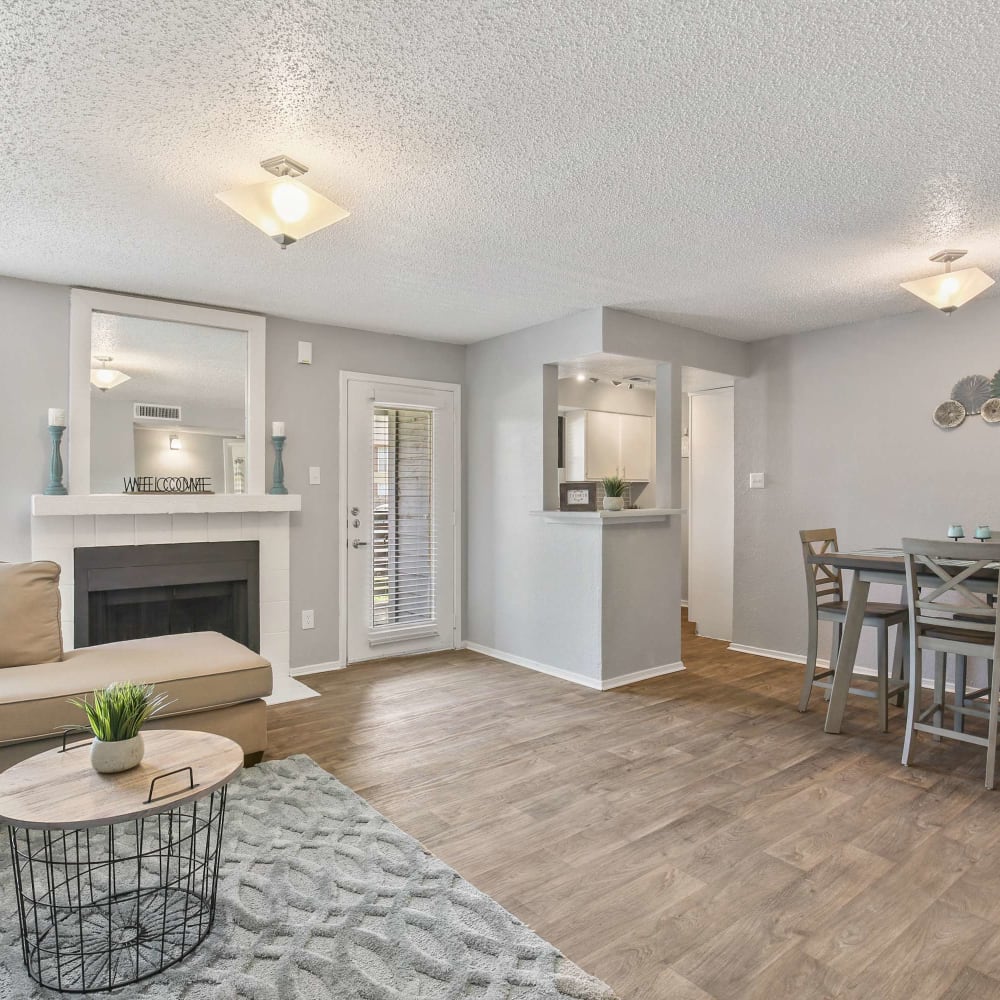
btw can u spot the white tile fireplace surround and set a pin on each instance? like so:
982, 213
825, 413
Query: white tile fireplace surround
61, 524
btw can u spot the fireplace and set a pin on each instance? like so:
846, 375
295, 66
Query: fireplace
138, 591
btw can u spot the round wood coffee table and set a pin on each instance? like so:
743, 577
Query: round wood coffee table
116, 874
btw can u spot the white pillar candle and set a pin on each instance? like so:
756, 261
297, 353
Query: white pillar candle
278, 429
57, 418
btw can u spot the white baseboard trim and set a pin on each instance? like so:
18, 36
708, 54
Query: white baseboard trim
542, 668
777, 654
594, 683
316, 668
642, 675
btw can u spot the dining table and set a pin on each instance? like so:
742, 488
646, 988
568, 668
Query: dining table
868, 566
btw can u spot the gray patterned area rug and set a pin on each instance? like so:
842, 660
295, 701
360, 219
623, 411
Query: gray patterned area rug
322, 897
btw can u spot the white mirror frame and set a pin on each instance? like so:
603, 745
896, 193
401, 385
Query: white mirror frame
84, 303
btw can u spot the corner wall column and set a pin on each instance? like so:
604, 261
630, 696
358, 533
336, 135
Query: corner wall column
669, 421
550, 437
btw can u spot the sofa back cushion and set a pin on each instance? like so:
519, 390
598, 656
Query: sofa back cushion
29, 614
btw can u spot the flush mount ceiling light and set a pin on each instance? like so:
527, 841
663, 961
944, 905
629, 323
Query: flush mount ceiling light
951, 289
105, 378
285, 208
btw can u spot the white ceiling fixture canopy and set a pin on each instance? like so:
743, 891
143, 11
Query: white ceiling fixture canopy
286, 209
951, 289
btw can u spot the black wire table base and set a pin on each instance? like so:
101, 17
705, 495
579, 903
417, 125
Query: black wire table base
104, 907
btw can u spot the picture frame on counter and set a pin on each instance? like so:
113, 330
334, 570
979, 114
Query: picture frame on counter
580, 496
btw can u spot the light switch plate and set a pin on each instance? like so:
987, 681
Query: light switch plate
314, 475
305, 352
757, 480
308, 619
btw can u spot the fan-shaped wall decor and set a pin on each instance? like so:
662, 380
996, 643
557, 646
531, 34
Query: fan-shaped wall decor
995, 385
949, 414
991, 411
972, 391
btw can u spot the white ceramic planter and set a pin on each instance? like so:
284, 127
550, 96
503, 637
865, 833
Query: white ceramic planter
614, 503
110, 758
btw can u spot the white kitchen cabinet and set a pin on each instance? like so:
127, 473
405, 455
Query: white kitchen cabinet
600, 444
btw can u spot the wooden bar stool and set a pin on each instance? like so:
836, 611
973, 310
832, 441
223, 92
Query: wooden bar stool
952, 589
825, 591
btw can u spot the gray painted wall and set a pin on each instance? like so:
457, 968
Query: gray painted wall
642, 594
534, 588
307, 399
34, 349
114, 457
642, 337
199, 455
34, 362
840, 421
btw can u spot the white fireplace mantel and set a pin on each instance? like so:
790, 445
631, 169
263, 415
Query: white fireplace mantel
60, 525
84, 504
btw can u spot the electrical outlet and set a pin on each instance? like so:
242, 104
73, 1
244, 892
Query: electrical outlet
308, 619
314, 475
756, 480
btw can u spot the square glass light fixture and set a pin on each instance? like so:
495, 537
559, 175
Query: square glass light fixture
951, 289
285, 208
105, 378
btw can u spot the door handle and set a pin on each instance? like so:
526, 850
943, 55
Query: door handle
357, 543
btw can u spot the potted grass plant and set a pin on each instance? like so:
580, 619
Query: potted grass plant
614, 492
116, 714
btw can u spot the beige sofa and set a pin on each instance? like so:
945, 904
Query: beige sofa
215, 684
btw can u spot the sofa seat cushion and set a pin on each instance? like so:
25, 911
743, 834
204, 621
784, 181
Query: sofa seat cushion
198, 670
29, 614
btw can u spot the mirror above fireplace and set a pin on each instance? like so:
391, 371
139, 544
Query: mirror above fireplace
164, 397
173, 408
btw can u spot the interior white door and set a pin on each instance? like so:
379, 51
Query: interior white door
711, 515
400, 495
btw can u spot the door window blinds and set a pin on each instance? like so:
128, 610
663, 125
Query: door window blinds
403, 530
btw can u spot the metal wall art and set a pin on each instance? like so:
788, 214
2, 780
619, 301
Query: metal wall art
969, 396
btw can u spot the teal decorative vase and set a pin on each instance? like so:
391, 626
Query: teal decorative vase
278, 479
56, 487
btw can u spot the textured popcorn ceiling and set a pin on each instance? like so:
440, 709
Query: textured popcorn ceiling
748, 167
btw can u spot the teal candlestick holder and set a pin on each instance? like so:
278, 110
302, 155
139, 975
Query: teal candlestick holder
56, 487
278, 479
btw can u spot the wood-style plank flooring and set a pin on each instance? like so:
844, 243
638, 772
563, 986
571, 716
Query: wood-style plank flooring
688, 837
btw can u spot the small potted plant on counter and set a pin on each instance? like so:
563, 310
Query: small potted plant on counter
614, 492
116, 715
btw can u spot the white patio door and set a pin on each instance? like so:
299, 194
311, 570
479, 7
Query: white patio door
400, 515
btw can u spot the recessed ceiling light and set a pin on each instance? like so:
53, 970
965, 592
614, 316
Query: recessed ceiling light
951, 289
286, 208
581, 376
